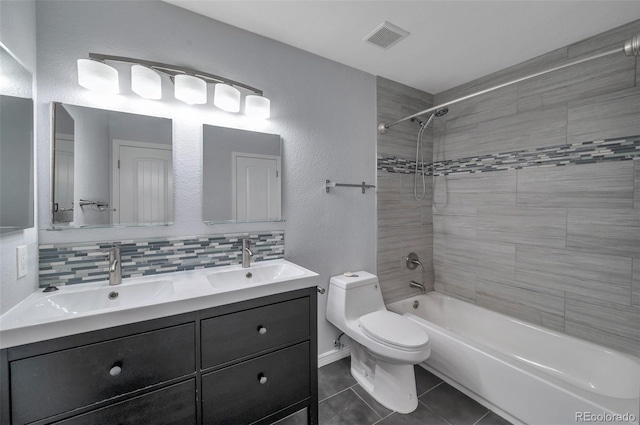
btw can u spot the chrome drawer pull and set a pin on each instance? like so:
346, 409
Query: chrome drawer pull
262, 379
116, 369
262, 330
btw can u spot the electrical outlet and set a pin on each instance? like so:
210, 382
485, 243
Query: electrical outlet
21, 260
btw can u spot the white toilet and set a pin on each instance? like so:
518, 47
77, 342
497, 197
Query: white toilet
384, 345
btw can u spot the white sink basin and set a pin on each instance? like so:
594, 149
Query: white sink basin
63, 303
255, 275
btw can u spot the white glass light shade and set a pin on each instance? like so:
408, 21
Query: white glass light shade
190, 89
146, 82
227, 98
257, 106
98, 76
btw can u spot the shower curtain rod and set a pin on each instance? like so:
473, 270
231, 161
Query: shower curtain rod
631, 48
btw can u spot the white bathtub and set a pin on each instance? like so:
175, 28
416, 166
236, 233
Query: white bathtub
525, 372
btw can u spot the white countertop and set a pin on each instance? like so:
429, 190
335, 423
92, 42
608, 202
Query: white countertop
43, 316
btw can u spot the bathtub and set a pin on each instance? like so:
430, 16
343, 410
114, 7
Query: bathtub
524, 372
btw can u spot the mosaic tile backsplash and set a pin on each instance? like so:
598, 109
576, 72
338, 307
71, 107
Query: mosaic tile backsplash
68, 264
578, 153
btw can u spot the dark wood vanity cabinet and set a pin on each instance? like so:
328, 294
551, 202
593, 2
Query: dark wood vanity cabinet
252, 362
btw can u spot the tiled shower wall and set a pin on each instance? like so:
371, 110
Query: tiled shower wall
557, 245
404, 224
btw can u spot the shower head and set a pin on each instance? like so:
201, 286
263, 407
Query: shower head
440, 112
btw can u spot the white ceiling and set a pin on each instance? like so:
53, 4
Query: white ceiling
451, 42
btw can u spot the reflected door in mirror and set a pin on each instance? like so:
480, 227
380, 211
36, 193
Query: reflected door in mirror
257, 187
143, 189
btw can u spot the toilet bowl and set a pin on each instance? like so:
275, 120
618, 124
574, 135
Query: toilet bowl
384, 345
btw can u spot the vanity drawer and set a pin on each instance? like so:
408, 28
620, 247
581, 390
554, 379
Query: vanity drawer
237, 335
175, 405
45, 385
236, 395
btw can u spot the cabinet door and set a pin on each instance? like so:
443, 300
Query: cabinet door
237, 335
69, 379
251, 390
175, 405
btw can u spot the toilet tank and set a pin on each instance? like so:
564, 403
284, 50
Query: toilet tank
353, 296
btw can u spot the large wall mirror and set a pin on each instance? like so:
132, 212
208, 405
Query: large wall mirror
242, 175
16, 145
110, 169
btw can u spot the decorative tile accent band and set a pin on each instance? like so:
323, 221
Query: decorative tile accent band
67, 264
577, 153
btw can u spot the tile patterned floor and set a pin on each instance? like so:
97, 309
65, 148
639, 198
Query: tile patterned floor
344, 402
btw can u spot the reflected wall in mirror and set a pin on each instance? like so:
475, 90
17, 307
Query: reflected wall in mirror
242, 175
16, 145
110, 168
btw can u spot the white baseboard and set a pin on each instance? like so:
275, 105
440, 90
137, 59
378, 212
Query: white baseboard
333, 356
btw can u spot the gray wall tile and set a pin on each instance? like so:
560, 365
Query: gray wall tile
463, 194
602, 337
605, 231
604, 277
533, 306
456, 143
490, 106
636, 196
396, 101
603, 75
595, 320
482, 258
455, 282
605, 185
635, 283
604, 41
614, 114
533, 226
528, 130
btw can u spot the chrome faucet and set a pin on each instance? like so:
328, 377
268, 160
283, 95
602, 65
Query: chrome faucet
246, 253
418, 285
115, 267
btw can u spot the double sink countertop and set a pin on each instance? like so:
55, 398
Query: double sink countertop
87, 307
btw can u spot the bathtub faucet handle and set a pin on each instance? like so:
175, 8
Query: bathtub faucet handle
413, 261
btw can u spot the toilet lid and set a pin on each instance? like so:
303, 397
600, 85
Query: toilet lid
393, 329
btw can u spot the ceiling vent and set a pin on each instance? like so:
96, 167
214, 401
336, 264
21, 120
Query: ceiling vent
386, 35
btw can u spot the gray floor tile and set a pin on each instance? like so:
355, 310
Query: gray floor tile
493, 419
425, 380
379, 408
334, 378
298, 418
346, 408
421, 416
455, 407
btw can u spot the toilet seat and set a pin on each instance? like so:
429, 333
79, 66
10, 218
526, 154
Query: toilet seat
394, 330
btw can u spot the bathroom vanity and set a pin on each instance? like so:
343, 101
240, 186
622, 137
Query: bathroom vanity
253, 360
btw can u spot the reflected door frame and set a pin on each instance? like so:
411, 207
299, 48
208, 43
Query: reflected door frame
234, 181
115, 173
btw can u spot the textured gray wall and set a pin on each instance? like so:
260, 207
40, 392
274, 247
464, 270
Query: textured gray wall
18, 34
404, 224
559, 246
327, 233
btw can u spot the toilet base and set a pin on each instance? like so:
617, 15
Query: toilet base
392, 385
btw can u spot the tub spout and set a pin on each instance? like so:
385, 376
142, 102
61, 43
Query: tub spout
418, 285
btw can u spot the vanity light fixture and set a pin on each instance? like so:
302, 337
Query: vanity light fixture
190, 89
146, 82
190, 85
226, 98
98, 76
257, 106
